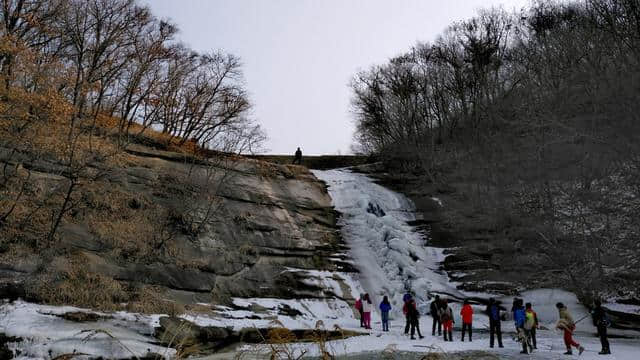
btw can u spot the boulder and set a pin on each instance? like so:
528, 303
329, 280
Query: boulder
81, 316
78, 236
182, 334
174, 330
5, 353
253, 335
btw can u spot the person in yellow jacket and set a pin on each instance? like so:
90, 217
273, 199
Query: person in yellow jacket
533, 317
566, 324
528, 330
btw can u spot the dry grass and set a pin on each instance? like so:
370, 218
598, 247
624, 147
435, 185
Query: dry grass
127, 222
74, 285
27, 202
137, 132
40, 124
70, 283
266, 170
43, 123
150, 300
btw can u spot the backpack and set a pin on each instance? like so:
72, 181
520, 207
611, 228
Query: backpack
530, 320
605, 319
446, 315
600, 317
519, 317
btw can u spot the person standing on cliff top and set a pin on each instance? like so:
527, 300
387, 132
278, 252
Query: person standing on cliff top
298, 157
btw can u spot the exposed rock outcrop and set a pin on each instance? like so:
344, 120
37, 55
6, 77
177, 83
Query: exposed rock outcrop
232, 227
190, 338
5, 352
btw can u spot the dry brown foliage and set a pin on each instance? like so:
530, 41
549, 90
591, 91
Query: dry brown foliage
77, 286
150, 300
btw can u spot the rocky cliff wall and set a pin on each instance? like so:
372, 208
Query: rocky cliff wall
189, 230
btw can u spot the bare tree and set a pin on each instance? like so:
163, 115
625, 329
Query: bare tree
535, 113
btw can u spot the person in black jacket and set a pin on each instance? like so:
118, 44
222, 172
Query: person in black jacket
434, 310
298, 157
414, 318
493, 311
601, 321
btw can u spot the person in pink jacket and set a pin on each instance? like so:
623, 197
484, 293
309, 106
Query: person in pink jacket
367, 307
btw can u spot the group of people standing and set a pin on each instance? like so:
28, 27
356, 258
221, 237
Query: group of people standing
412, 315
526, 323
364, 307
443, 319
524, 317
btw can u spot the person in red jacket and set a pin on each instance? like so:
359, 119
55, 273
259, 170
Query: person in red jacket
467, 318
405, 310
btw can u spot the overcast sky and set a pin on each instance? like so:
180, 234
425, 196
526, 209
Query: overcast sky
299, 55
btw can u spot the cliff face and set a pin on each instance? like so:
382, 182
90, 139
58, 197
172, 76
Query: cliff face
184, 230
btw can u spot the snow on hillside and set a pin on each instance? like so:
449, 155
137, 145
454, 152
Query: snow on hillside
392, 259
46, 335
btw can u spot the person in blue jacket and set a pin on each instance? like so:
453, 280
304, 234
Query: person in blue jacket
495, 329
385, 307
519, 318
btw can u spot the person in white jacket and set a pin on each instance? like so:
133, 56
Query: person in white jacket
367, 307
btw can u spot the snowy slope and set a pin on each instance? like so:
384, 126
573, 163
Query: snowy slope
46, 335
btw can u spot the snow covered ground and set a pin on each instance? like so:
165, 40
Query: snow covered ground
46, 335
392, 259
